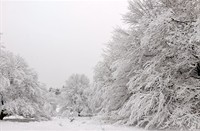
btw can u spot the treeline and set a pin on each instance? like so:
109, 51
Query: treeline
150, 73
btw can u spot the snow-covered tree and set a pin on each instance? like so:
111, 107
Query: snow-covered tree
154, 66
20, 90
106, 79
74, 100
51, 101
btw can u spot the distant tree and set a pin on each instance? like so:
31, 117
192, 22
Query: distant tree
50, 89
55, 91
20, 90
52, 101
74, 96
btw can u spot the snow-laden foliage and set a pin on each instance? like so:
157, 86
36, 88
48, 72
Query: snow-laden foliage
150, 75
21, 93
74, 97
51, 102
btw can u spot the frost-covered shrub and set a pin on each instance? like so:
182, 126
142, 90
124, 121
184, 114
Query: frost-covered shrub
154, 73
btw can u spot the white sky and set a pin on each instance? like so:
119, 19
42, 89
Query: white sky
58, 38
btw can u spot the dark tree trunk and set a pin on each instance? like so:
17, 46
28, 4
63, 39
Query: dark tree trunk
196, 71
3, 114
79, 113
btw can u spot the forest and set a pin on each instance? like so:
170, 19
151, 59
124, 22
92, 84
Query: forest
149, 76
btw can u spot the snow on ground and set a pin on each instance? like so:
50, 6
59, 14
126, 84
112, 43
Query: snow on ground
60, 124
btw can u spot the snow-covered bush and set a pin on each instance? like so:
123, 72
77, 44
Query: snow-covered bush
153, 66
20, 90
74, 97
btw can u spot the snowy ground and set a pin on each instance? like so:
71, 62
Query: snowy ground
59, 124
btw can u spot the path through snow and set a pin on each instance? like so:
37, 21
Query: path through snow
59, 124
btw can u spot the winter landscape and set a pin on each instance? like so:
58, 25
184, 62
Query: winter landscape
100, 65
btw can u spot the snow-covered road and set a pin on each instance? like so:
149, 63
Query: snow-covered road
59, 124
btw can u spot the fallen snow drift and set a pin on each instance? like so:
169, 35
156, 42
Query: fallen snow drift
60, 124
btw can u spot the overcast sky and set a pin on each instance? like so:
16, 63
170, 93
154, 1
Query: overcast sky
59, 38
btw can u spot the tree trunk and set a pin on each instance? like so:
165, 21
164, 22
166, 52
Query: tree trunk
3, 114
79, 114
